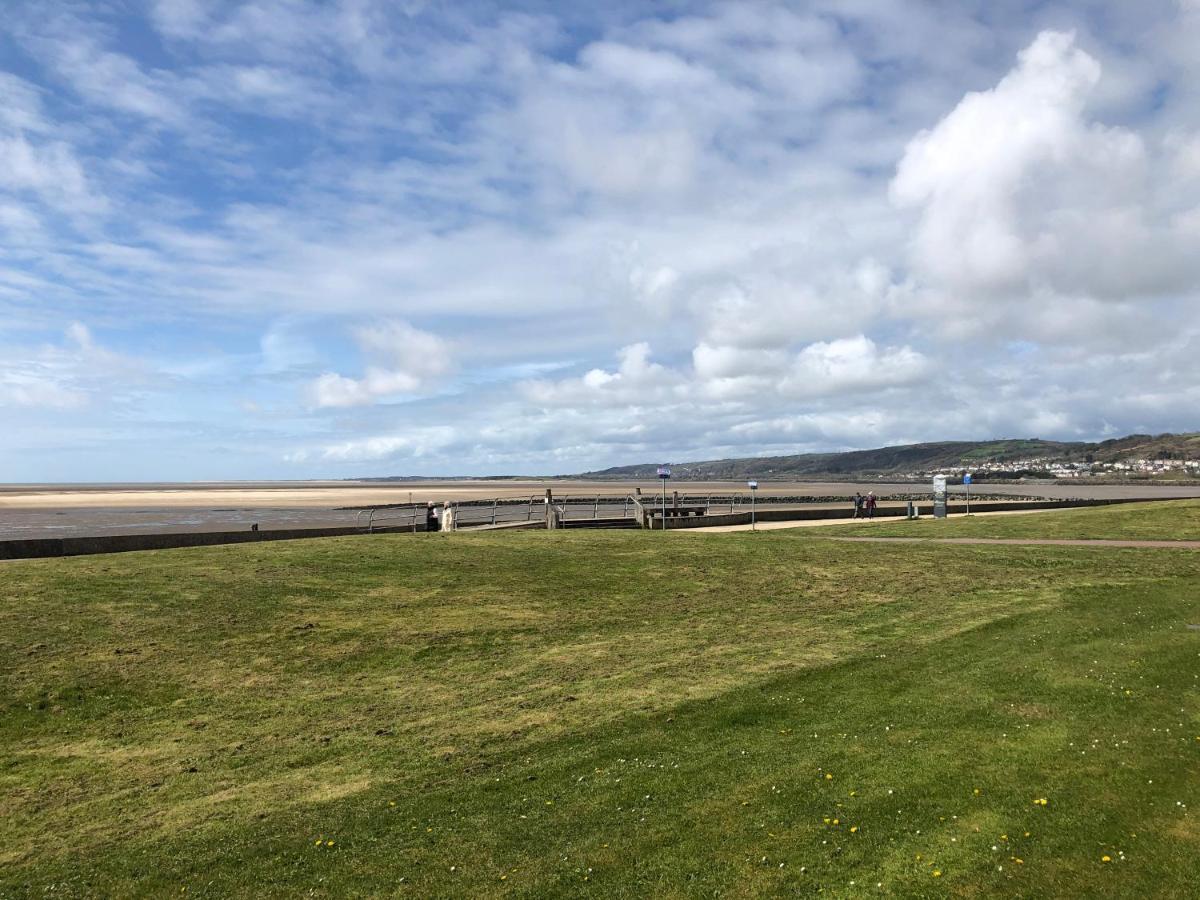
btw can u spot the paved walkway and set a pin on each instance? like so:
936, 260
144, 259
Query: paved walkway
1024, 542
817, 523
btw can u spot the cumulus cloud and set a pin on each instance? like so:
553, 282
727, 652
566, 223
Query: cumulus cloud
828, 371
1018, 189
406, 358
636, 380
853, 365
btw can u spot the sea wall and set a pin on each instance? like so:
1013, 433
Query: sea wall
36, 548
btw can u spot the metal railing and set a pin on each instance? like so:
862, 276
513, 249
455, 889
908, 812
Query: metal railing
514, 510
399, 516
502, 511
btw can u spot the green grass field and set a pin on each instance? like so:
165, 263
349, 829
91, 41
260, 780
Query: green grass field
605, 714
1162, 521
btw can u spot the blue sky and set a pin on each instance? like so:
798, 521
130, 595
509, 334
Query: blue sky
289, 239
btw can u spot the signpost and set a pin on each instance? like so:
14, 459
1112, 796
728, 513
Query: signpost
967, 485
753, 485
939, 496
664, 472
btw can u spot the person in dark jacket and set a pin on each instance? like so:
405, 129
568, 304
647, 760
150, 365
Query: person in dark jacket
431, 517
858, 504
871, 501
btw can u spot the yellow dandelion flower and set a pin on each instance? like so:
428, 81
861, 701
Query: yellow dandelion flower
318, 842
329, 843
828, 776
1106, 858
937, 873
976, 792
853, 828
836, 822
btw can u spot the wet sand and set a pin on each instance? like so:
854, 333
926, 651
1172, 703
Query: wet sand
332, 494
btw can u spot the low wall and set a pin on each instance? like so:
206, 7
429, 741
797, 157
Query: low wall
505, 526
36, 548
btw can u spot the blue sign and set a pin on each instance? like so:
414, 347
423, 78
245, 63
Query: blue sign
966, 479
664, 471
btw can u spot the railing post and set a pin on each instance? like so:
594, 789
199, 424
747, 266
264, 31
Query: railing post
494, 502
596, 509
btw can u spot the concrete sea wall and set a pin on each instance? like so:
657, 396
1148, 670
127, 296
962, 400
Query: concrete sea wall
36, 548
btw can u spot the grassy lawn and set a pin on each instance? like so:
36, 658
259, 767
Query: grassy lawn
606, 714
1159, 521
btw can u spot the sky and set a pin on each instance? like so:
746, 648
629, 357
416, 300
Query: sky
300, 239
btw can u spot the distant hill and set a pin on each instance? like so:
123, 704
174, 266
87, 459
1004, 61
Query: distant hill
919, 458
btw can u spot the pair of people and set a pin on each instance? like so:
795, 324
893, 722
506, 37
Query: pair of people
864, 506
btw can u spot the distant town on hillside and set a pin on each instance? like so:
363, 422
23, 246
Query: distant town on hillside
1137, 456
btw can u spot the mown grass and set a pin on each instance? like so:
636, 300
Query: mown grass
1161, 520
600, 714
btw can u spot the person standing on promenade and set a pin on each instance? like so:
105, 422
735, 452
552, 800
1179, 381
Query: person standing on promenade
871, 501
858, 504
431, 517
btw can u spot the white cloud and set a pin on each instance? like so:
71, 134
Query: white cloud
1018, 190
822, 371
853, 365
408, 359
636, 381
69, 375
415, 444
34, 159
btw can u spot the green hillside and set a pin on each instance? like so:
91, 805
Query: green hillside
919, 457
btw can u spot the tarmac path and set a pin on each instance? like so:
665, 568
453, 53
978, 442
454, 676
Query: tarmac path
820, 523
1025, 542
